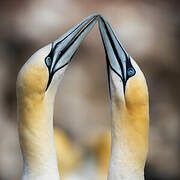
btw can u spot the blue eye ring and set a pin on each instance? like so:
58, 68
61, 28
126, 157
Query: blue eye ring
48, 61
131, 72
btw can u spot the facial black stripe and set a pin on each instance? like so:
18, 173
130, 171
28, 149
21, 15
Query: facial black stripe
53, 70
67, 36
70, 44
125, 65
128, 61
108, 72
126, 54
107, 67
51, 54
117, 57
51, 75
114, 50
71, 33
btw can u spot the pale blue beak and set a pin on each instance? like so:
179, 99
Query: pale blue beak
64, 48
117, 58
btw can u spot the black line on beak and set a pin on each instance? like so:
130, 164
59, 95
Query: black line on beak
115, 52
64, 50
51, 76
124, 76
69, 45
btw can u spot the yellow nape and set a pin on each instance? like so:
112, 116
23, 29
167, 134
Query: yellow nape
69, 156
33, 76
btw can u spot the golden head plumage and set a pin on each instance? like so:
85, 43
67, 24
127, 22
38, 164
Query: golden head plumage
130, 109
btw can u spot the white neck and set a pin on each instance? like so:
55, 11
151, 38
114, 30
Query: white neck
36, 134
120, 167
129, 144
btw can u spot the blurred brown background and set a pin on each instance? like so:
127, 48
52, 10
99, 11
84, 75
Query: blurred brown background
149, 31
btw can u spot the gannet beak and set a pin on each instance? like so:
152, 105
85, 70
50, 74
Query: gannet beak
63, 49
117, 58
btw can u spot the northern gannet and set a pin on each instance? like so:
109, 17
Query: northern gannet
129, 108
37, 83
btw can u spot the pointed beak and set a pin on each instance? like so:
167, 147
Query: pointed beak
116, 56
64, 48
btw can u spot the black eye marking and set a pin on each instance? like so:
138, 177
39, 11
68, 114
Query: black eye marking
48, 61
131, 71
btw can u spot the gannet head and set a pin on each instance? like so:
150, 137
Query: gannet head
42, 73
126, 80
37, 84
130, 107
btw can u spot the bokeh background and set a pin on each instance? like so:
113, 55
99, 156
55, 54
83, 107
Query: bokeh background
149, 31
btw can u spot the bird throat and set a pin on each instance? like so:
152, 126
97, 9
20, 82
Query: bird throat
129, 142
35, 116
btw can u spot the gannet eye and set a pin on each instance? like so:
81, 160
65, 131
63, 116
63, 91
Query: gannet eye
48, 61
131, 72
